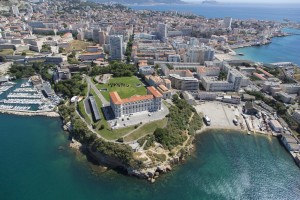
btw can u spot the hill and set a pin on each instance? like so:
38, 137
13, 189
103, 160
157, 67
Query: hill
141, 1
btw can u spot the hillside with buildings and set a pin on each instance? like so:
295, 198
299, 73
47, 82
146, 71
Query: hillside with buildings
141, 1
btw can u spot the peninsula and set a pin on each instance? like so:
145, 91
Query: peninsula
133, 88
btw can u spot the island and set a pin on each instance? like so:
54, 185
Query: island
134, 88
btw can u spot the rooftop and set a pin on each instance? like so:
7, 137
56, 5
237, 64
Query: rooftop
116, 99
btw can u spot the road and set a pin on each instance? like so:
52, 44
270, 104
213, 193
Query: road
93, 86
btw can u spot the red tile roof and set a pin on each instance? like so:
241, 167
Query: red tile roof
114, 96
116, 99
265, 72
259, 76
154, 92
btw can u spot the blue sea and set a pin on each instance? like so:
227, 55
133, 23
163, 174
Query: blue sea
36, 163
282, 49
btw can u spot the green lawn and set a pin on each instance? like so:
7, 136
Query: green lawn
6, 52
146, 129
78, 45
83, 112
28, 52
124, 91
106, 132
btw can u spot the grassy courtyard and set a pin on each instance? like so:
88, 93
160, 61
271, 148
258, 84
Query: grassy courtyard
6, 52
125, 86
78, 45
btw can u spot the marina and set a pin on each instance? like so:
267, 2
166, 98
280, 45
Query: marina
5, 88
22, 101
25, 90
19, 108
23, 97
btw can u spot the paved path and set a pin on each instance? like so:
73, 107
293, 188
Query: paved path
91, 128
93, 86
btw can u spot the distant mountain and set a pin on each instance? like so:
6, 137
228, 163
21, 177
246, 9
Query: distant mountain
140, 1
209, 2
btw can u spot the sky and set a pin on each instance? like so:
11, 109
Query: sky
251, 1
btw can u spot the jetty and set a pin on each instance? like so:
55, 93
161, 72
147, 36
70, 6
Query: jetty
29, 112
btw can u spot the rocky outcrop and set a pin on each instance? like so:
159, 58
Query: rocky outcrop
75, 144
106, 160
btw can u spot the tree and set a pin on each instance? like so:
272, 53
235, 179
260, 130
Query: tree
64, 25
2, 59
61, 50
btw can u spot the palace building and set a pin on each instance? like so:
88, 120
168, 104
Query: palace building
138, 103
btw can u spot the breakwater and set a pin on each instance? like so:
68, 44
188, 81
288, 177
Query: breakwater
30, 113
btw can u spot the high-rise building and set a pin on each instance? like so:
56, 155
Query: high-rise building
227, 22
102, 37
15, 10
162, 31
116, 47
96, 35
209, 53
235, 77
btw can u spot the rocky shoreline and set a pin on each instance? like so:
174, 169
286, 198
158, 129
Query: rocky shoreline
150, 173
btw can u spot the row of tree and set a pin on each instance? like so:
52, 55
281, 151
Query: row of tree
118, 69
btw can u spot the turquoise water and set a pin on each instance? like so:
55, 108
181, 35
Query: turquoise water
224, 166
282, 49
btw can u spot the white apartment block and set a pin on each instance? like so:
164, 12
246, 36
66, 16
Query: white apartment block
146, 70
234, 82
291, 88
116, 47
199, 54
150, 102
212, 84
184, 83
208, 71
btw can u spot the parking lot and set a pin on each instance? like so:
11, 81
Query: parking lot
220, 114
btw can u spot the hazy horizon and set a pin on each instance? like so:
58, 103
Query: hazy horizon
251, 1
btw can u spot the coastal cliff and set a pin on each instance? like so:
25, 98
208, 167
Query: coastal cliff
158, 152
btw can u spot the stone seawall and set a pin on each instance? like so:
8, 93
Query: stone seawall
30, 113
